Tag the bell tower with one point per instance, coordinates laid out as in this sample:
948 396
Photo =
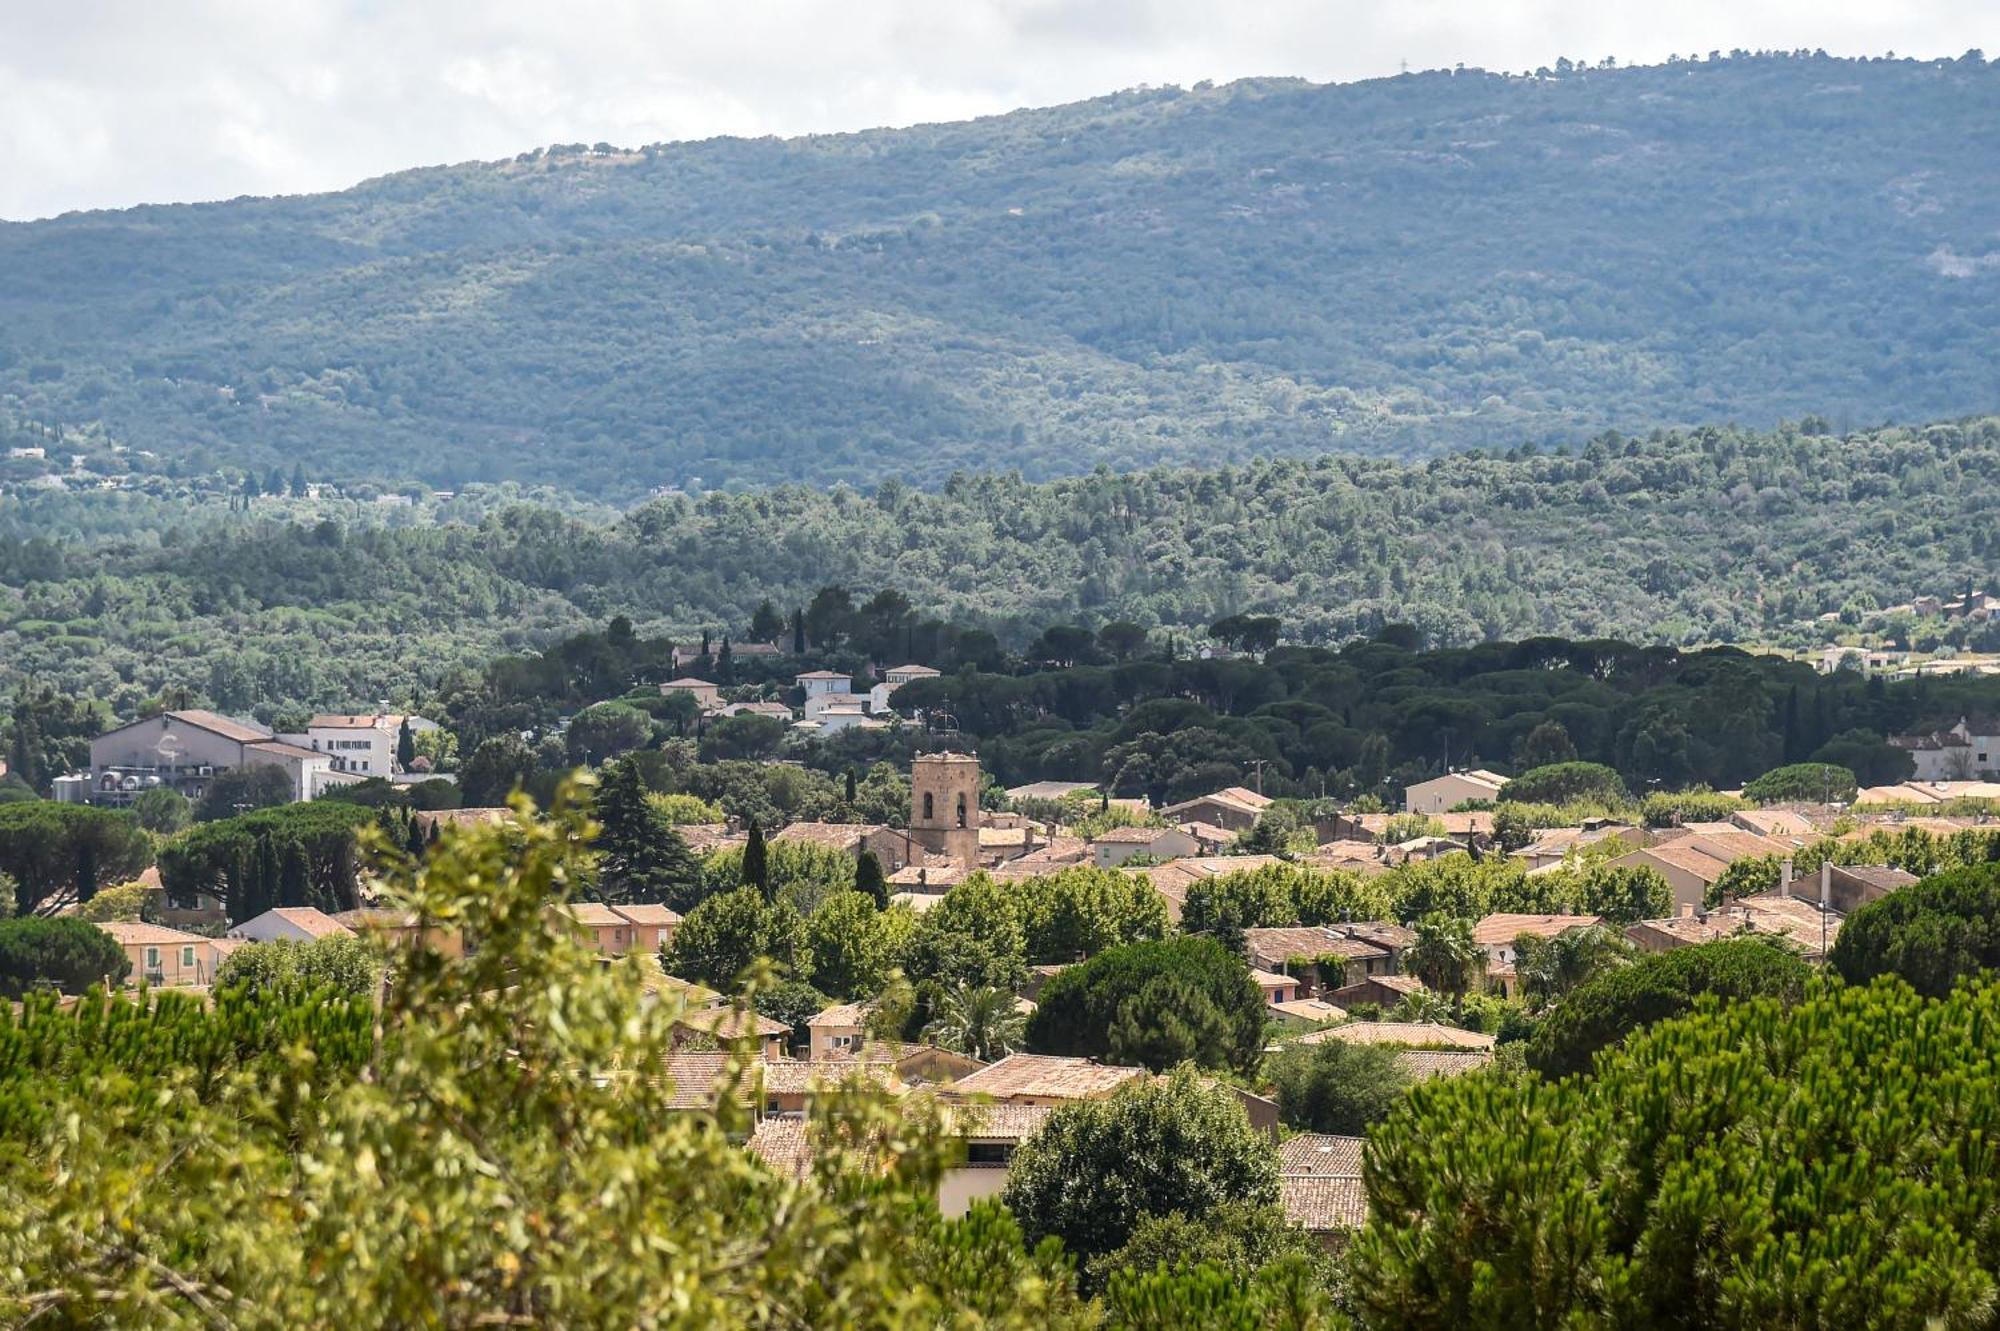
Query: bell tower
944 805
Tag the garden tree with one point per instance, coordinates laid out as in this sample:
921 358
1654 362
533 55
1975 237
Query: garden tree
493 1090
1873 760
881 796
1511 828
163 810
242 861
1663 808
86 869
829 617
795 1003
756 861
1444 956
1098 1168
242 789
722 937
1409 826
1834 1131
49 732
1815 782
772 793
1170 1020
1278 831
67 955
1079 911
982 1023
684 810
1621 894
1932 934
1221 1009
1659 987
44 845
1550 967
1236 1239
406 745
972 938
852 944
641 858
121 904
1560 783
497 768
745 735
1121 639
869 880
1470 889
802 872
1747 877
1287 1293
678 709
342 964
440 746
1336 1086
766 624
1544 746
1224 906
600 733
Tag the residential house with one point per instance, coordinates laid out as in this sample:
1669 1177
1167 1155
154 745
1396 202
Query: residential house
1395 939
1453 788
649 926
1496 935
301 924
777 711
1173 879
708 695
818 682
837 1032
1424 1064
1113 847
1553 845
1385 991
1967 749
1049 790
362 744
1235 809
1044 1079
1306 1012
400 928
604 929
992 1134
731 1027
1409 1034
1276 988
893 679
1320 1187
1320 956
893 846
1692 861
163 957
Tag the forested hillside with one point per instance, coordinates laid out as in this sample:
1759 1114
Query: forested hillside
1712 535
1167 276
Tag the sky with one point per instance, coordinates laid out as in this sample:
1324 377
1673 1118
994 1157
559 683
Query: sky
107 103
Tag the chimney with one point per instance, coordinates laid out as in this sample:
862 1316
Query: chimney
1785 881
1686 910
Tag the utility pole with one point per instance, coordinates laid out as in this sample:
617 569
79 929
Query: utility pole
1258 763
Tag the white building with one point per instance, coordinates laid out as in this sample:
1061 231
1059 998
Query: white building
362 744
893 679
1452 789
816 682
300 923
1969 749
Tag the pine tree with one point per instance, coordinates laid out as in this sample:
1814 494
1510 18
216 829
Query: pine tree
641 858
757 862
869 880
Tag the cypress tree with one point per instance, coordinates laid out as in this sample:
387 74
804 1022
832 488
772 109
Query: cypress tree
270 876
294 879
406 745
851 782
868 879
757 862
798 633
86 869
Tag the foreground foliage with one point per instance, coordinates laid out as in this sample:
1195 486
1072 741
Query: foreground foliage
1751 1166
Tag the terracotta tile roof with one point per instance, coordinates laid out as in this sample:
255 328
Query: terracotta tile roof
1047 1076
1320 1153
591 914
696 1074
354 721
784 1145
1307 943
1390 937
823 674
689 682
704 837
1239 798
1323 1204
919 671
727 1023
648 913
1423 1064
134 933
1496 930
1733 844
836 836
1412 1033
840 1014
996 1122
1774 822
1134 836
313 923
1704 867
794 1077
277 748
1048 790
1310 1009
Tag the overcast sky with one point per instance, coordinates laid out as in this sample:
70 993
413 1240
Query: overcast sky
111 102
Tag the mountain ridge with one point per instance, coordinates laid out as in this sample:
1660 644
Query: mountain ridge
1396 267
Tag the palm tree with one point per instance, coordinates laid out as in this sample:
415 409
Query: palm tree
1548 968
1444 956
980 1023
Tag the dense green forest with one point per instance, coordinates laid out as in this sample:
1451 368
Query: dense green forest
1709 535
1183 276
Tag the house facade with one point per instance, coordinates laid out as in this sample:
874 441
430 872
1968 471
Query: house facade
1453 788
186 750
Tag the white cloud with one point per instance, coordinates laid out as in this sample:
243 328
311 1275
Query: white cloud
112 102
